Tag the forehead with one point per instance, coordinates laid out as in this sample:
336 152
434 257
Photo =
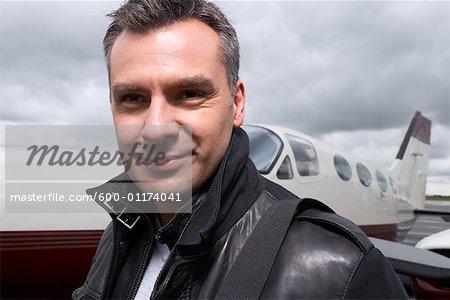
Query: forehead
187 44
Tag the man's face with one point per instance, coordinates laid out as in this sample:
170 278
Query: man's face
174 76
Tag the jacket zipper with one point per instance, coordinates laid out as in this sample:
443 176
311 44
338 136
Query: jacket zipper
159 288
162 287
144 263
158 279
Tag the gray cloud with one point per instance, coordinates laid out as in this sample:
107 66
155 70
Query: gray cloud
351 73
346 63
52 68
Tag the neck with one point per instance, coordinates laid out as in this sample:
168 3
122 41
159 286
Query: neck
165 218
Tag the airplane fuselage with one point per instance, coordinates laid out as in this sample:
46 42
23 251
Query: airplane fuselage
349 185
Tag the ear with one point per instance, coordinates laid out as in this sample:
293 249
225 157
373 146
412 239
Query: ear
239 104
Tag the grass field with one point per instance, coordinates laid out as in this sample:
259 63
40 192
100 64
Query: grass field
438 198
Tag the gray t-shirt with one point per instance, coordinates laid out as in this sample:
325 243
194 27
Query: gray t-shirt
159 257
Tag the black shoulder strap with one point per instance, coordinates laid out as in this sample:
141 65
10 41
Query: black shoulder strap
250 271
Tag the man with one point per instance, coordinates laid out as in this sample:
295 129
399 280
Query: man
176 63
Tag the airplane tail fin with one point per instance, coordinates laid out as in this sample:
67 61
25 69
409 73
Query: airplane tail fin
410 168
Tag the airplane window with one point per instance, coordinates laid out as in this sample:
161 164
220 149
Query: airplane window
343 168
305 156
382 182
364 175
285 170
265 147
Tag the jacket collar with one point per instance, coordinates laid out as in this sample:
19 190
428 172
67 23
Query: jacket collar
219 205
233 189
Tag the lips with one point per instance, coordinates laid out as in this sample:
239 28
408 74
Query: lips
174 156
170 164
170 157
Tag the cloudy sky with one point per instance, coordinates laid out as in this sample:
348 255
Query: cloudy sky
348 73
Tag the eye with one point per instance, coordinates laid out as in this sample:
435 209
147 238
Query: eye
190 95
131 102
132 98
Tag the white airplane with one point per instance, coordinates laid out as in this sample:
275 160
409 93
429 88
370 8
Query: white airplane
384 204
381 203
48 255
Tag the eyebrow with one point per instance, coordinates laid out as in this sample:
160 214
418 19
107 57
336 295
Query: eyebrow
125 88
197 81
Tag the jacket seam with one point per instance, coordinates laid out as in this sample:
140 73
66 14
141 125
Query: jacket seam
336 225
351 276
90 292
113 260
258 198
271 196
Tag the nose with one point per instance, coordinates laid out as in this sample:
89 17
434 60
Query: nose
160 126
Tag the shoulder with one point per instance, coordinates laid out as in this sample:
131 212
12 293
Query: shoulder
317 215
366 273
321 250
325 255
332 246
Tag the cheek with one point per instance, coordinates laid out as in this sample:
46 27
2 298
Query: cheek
127 137
128 119
204 122
212 130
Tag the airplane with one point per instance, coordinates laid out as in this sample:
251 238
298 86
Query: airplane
381 203
48 255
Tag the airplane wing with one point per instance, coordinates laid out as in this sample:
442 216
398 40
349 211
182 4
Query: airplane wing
416 262
424 274
445 215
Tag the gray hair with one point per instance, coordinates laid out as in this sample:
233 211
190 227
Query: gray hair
140 16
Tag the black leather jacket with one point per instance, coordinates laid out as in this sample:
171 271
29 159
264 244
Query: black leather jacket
322 256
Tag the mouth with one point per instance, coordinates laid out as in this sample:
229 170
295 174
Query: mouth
167 158
170 163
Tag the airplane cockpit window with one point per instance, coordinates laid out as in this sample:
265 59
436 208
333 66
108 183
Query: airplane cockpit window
364 175
265 147
343 168
305 156
382 182
285 169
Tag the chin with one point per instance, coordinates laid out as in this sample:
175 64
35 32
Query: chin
165 185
